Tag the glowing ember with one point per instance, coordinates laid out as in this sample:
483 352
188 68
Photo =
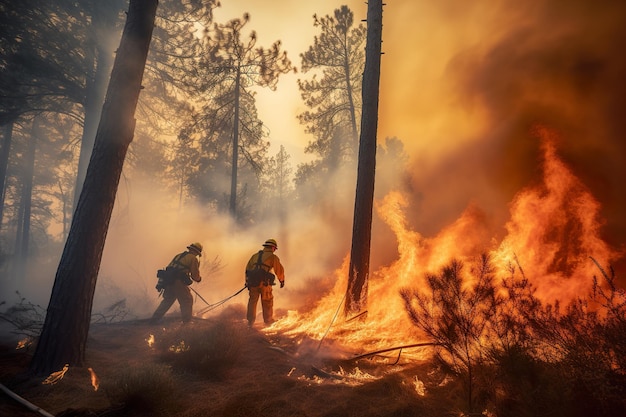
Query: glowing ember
24 343
150 340
55 377
420 388
95 381
181 347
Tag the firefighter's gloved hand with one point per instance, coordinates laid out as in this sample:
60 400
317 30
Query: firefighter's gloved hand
282 284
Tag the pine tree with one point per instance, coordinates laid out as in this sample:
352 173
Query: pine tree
356 299
64 334
334 99
245 65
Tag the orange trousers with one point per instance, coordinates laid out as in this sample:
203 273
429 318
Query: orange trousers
175 291
267 303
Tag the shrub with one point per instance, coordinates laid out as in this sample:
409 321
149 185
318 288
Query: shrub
146 390
209 352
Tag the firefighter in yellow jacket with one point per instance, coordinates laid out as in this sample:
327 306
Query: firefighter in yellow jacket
268 262
180 272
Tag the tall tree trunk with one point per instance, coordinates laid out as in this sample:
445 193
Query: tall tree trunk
356 297
351 107
100 58
7 137
22 238
233 179
27 188
64 334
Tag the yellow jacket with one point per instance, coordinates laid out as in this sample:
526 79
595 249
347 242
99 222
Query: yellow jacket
269 262
189 262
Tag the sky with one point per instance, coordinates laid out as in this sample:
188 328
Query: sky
291 23
463 84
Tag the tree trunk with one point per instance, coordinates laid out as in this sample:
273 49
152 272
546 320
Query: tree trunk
100 57
351 107
7 137
22 240
233 180
356 297
64 334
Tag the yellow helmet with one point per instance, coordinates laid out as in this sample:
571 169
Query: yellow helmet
271 242
197 247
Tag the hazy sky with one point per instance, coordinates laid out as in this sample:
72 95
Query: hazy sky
462 83
291 22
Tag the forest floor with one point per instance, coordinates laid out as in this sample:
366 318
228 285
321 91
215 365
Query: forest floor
219 367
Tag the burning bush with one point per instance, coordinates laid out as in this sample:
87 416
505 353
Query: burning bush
517 356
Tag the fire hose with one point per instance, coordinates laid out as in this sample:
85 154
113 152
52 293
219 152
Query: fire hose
25 402
209 306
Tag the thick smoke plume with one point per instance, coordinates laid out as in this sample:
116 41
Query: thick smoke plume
464 84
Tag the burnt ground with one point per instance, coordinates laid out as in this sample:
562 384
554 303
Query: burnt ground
240 372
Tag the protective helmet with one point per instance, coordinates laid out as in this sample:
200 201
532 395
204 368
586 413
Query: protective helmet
197 247
271 242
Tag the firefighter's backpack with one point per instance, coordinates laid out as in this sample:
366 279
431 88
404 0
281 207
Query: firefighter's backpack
172 273
255 276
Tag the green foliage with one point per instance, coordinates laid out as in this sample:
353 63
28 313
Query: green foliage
43 57
332 93
338 55
225 141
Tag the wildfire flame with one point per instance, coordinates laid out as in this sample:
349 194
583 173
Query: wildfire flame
24 343
55 377
150 340
95 381
180 347
554 229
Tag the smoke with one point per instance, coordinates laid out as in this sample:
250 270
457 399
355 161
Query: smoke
463 84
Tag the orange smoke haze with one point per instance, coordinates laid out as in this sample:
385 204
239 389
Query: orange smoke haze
463 83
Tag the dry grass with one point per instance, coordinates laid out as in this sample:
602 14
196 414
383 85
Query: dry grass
225 369
150 389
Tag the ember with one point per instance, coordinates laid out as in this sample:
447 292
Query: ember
95 381
55 377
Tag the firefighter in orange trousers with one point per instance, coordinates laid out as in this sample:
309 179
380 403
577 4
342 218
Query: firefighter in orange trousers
180 272
268 262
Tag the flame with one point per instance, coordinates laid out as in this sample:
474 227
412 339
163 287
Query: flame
420 387
24 343
55 377
180 347
150 340
95 381
554 230
552 234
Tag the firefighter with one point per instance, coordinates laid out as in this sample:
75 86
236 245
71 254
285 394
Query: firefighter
269 262
179 274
